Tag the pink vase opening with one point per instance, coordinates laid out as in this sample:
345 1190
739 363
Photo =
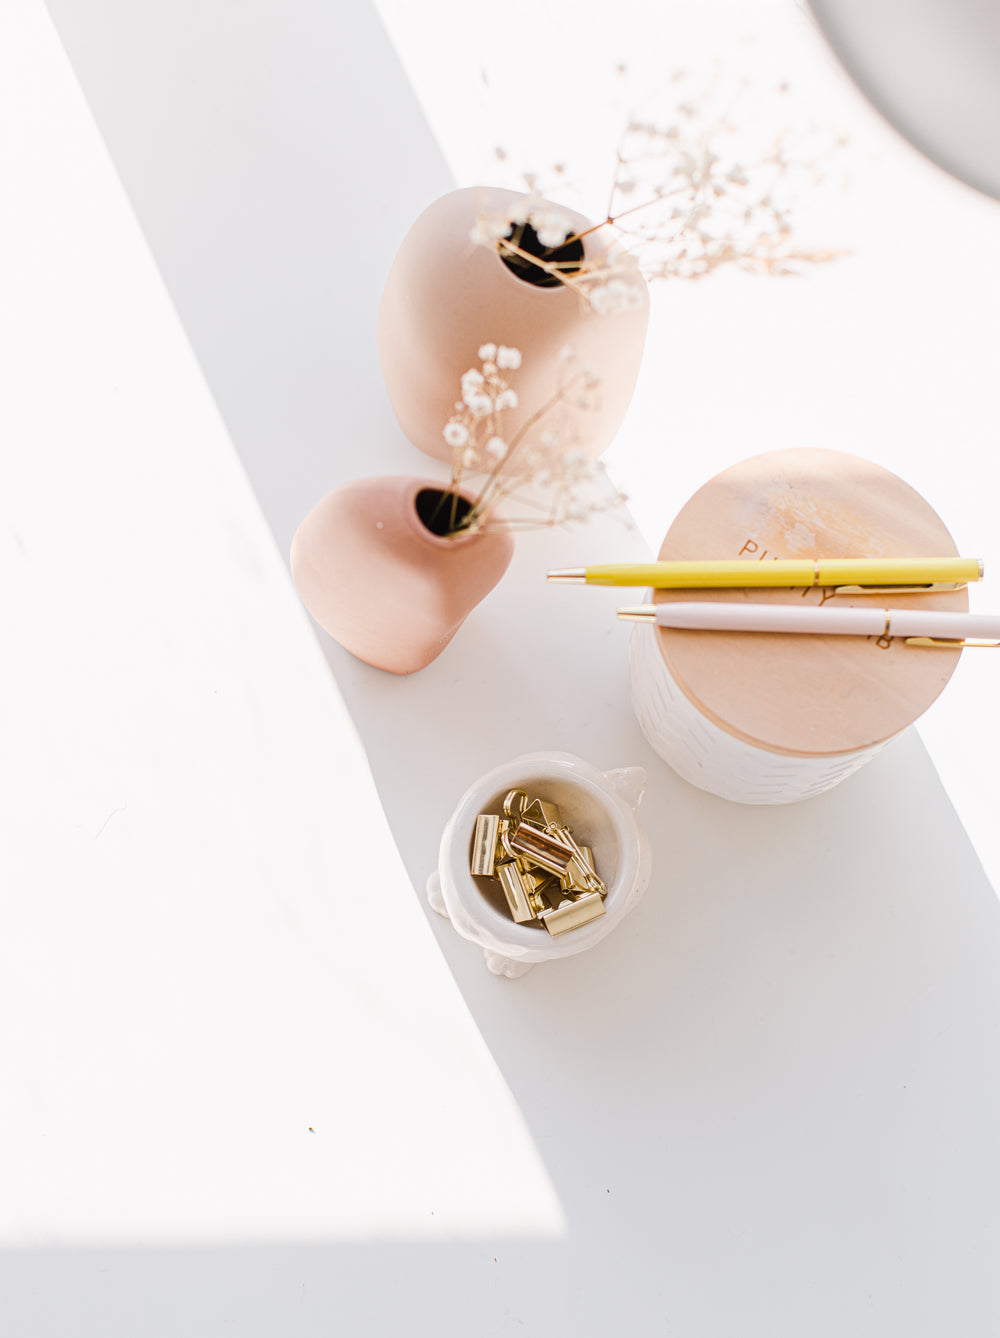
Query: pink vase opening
376 566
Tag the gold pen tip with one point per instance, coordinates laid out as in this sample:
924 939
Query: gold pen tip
568 576
638 613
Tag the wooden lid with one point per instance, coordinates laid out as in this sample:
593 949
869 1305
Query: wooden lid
807 695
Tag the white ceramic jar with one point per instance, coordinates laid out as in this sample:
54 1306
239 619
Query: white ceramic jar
762 719
598 806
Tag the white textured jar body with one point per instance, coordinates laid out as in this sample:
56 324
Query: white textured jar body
712 759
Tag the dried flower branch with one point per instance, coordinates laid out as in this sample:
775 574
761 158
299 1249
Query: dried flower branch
689 196
544 476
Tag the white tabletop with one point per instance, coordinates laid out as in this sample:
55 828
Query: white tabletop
252 1085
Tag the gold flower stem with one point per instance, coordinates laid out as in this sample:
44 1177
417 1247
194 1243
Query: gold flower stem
555 267
619 164
570 278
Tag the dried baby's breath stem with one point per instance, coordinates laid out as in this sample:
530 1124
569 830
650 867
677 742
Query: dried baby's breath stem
619 164
613 220
522 523
491 482
549 459
616 175
587 232
703 200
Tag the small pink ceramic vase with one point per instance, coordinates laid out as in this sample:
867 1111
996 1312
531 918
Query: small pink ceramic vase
447 295
375 568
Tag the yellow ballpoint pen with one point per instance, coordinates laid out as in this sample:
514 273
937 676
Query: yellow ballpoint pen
868 574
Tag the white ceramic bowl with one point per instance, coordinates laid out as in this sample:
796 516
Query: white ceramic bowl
599 807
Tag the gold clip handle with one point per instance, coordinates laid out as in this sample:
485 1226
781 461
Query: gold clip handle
899 589
952 643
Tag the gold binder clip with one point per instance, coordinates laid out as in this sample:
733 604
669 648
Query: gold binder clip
573 914
514 802
546 876
580 874
542 811
579 880
518 888
547 894
485 845
536 845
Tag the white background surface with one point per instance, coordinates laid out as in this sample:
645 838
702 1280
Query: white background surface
767 1105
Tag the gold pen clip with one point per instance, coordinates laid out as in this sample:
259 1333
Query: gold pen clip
952 643
899 589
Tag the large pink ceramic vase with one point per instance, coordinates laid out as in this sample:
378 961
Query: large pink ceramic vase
447 295
373 569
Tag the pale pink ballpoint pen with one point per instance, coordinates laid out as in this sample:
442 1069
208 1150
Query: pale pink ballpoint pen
922 627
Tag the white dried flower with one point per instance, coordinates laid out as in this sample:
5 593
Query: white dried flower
515 464
487 352
607 299
692 200
520 212
488 231
552 226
